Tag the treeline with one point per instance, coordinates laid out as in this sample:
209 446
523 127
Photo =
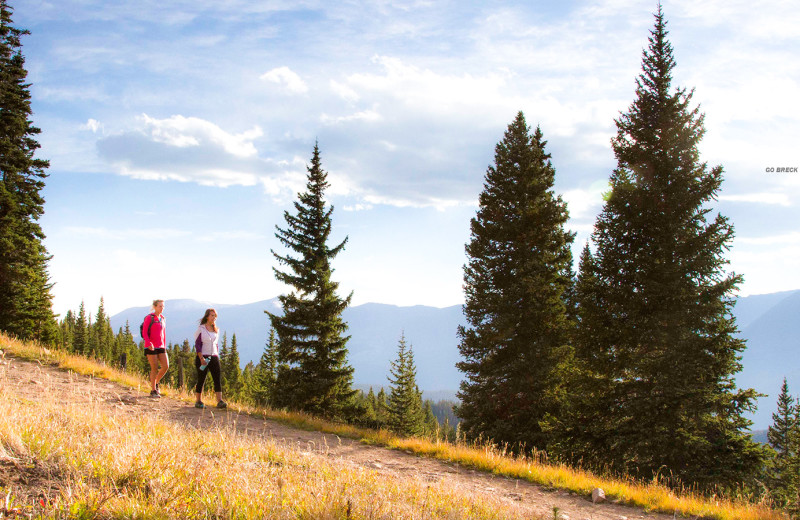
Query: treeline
401 410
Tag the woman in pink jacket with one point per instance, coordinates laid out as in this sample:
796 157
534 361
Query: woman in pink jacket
154 331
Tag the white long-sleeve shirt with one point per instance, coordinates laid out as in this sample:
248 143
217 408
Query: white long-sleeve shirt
205 341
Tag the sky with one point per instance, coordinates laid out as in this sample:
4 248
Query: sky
178 132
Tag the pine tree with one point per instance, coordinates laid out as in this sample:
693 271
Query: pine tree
405 400
313 374
25 299
656 342
782 438
233 370
223 360
381 408
80 334
517 285
265 372
66 328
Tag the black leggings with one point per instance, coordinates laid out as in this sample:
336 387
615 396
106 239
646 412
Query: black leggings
213 367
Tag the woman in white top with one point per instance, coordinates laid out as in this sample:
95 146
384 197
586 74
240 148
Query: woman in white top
207 359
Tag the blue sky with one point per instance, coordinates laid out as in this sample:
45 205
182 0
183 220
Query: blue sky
178 131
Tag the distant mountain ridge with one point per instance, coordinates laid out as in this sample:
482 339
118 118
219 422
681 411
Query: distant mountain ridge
769 322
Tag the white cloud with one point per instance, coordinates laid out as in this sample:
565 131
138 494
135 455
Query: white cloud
92 125
788 239
584 202
369 116
424 89
289 79
780 199
344 92
183 131
187 149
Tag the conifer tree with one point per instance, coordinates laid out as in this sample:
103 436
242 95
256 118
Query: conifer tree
25 298
233 370
656 342
265 373
80 334
405 400
782 437
313 375
66 328
517 284
381 407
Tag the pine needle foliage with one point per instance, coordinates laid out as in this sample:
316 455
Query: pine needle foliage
517 284
25 298
406 414
313 374
783 437
656 340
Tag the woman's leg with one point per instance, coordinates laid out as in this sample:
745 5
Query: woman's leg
201 379
153 360
216 373
164 360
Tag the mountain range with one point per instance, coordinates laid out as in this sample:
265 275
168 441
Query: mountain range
769 322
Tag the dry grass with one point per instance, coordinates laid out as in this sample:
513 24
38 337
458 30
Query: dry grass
649 496
116 465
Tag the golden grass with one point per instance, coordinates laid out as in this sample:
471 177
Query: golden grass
650 496
112 464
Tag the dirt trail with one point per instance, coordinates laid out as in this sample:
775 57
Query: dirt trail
30 380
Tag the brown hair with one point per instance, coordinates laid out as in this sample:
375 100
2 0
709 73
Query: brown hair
204 319
156 302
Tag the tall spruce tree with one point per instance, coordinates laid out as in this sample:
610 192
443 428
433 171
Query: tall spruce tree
263 384
406 414
25 298
313 374
233 370
517 284
656 340
782 436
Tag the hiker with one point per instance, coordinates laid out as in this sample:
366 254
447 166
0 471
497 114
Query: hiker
207 359
154 333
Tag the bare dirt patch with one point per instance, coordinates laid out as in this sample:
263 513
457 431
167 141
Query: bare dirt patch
31 481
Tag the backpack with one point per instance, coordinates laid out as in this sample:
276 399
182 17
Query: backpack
150 326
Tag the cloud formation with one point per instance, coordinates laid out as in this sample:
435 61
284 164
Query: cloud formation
286 78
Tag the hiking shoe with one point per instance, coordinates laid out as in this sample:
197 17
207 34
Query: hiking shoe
199 404
154 393
222 404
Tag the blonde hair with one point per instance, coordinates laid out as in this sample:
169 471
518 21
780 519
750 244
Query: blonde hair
156 302
204 319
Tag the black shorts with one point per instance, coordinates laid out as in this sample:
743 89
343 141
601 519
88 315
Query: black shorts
155 351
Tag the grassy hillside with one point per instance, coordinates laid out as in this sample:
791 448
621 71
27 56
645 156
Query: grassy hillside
109 467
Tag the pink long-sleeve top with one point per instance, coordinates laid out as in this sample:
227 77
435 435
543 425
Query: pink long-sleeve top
155 336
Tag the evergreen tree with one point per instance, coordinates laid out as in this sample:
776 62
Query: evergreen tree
233 370
103 334
431 424
405 400
80 334
381 407
517 284
313 374
656 342
25 299
782 437
223 359
265 373
66 328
